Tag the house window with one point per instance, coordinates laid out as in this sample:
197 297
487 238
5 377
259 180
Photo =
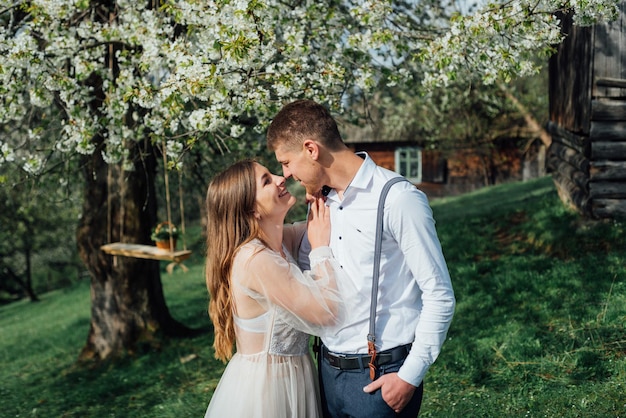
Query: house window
409 163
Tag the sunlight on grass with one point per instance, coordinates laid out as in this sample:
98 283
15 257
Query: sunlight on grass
540 317
539 329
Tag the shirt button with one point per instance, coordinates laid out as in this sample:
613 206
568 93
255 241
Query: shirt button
339 237
340 207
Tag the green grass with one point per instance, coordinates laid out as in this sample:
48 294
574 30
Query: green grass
539 329
41 341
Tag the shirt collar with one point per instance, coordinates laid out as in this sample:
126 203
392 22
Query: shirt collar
363 177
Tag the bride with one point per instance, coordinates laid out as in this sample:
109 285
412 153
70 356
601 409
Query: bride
260 300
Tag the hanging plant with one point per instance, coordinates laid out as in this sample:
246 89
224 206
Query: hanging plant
162 233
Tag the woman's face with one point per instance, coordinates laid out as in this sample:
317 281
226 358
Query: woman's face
272 197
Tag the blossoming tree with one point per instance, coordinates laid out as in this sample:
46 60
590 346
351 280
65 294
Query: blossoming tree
119 83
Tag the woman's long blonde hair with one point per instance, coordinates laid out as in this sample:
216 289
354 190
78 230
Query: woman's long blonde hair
230 204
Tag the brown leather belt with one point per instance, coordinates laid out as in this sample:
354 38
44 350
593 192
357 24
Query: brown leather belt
358 361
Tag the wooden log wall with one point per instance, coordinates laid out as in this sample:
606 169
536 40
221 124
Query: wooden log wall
607 171
570 84
569 164
609 57
590 171
607 134
587 156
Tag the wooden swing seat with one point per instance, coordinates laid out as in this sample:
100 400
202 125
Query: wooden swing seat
145 251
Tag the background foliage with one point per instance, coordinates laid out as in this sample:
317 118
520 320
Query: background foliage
539 327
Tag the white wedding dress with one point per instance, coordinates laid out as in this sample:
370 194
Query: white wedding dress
279 381
271 374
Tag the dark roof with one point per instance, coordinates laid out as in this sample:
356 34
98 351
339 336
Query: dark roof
355 134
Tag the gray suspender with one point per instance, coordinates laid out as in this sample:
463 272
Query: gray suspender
371 336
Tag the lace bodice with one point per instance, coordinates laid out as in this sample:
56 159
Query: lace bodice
277 306
282 339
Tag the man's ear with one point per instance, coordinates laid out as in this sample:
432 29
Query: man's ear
311 148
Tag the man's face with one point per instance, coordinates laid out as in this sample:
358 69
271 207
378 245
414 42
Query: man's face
302 166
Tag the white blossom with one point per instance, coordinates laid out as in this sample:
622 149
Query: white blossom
243 57
33 165
173 149
6 153
236 131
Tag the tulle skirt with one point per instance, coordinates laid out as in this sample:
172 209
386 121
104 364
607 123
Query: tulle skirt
267 386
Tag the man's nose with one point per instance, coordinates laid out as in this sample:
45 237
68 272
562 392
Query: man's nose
286 173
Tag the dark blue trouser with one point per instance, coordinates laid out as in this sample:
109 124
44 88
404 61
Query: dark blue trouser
343 396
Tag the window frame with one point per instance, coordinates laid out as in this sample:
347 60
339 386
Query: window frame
409 160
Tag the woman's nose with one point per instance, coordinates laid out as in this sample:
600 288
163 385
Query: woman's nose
279 180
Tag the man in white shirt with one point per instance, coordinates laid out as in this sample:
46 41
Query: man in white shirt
415 302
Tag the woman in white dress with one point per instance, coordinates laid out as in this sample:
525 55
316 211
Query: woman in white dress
260 301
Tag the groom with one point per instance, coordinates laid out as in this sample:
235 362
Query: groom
415 300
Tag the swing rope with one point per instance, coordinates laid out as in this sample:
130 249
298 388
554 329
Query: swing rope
182 207
168 199
109 200
167 195
109 210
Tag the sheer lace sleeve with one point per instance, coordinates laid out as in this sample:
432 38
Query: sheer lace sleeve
309 301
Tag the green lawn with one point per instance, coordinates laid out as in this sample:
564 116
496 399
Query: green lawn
539 329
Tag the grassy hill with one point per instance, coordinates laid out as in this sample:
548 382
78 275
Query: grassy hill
539 329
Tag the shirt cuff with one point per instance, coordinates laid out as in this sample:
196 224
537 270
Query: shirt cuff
413 370
320 254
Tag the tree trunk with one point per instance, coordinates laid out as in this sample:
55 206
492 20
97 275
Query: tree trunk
28 284
128 309
25 285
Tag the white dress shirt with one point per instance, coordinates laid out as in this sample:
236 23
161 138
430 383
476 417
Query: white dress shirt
415 297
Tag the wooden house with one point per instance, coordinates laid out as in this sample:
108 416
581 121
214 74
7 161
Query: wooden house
450 172
587 156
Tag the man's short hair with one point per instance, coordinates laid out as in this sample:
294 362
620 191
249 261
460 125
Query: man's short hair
302 120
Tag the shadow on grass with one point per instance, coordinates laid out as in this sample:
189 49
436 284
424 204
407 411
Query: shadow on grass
533 283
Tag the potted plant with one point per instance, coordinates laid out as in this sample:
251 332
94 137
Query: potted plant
162 233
